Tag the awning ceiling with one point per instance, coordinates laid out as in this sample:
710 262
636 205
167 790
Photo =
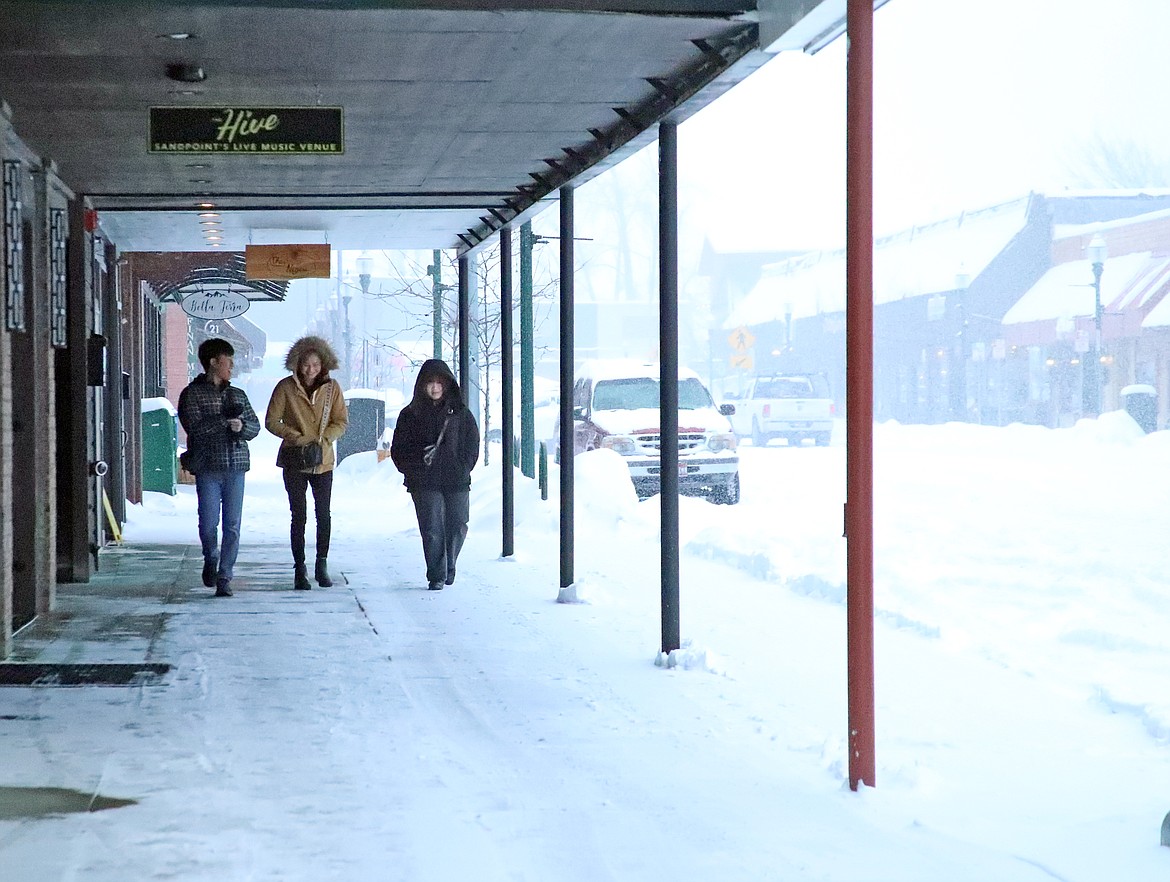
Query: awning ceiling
459 117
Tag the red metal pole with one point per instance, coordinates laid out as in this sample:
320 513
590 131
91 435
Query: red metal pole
859 389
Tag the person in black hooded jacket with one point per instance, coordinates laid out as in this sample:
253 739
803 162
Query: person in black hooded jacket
435 446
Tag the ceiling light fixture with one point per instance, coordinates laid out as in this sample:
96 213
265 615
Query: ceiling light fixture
178 35
205 205
186 72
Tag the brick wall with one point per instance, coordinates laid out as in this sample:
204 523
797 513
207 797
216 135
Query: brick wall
174 333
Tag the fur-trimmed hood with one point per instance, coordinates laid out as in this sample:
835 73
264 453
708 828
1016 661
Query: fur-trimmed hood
308 344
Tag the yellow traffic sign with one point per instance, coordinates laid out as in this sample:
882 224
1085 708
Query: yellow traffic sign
741 362
741 339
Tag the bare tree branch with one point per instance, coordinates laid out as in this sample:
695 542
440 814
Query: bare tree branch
1101 162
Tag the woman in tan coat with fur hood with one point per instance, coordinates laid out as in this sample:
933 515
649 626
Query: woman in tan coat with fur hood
295 414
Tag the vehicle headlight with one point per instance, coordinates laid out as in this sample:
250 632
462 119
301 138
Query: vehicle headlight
723 441
622 444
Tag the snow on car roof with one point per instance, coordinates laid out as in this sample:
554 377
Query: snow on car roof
625 369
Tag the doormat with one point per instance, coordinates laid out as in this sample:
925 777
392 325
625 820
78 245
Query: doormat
92 674
17 803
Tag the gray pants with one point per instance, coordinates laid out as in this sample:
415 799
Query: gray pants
442 524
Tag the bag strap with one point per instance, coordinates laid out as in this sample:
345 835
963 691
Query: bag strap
325 412
442 432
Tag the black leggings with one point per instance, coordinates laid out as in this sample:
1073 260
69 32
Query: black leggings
295 484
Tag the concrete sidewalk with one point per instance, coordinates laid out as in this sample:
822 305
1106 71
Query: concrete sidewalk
226 738
119 617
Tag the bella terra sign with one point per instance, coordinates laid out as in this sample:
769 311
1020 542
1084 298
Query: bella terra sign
215 304
244 130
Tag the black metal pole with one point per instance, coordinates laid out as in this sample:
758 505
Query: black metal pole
506 437
465 327
668 377
566 445
527 357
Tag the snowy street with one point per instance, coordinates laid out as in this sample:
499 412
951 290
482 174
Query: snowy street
379 731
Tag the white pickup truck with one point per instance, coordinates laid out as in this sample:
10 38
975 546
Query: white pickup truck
792 406
615 406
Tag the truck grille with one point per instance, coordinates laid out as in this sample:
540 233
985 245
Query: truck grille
686 441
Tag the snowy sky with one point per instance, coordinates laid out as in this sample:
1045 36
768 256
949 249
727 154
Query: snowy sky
378 731
975 102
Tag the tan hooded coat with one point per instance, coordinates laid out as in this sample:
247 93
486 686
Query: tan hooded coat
294 414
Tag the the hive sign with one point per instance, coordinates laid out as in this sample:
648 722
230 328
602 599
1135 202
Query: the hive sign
247 130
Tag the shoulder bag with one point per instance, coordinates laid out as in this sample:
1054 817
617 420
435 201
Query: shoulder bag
311 455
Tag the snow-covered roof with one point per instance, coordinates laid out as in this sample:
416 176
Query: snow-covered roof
1077 231
1159 316
1066 290
917 262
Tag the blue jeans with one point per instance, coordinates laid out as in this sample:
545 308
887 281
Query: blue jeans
220 492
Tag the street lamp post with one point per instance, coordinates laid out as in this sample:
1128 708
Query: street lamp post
363 263
958 373
1097 251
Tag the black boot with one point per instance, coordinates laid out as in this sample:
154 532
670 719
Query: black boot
210 570
301 578
321 573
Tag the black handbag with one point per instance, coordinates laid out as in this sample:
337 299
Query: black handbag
300 459
311 455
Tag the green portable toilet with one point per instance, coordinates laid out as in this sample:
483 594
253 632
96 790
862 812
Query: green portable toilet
160 446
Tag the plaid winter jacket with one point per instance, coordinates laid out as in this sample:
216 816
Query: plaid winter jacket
204 410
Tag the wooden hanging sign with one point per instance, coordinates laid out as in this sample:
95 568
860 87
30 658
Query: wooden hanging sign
286 262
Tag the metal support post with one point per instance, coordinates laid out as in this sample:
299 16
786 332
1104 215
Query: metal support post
506 437
527 359
566 372
465 327
859 390
668 378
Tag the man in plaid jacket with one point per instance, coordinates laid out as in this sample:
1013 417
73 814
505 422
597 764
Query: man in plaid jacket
219 422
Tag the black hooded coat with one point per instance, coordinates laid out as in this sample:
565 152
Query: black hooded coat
419 425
